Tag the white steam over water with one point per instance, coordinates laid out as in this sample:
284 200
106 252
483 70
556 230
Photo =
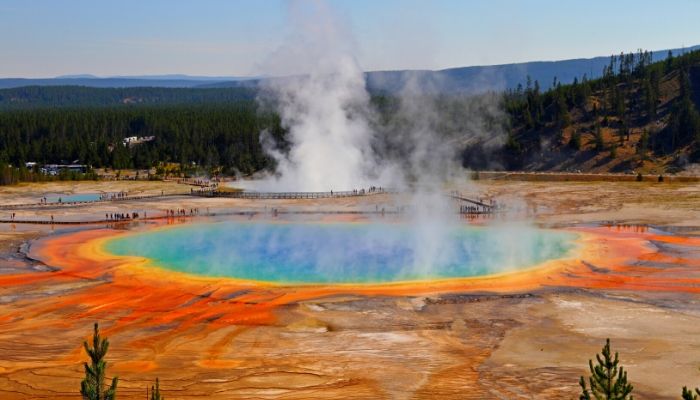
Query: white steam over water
334 131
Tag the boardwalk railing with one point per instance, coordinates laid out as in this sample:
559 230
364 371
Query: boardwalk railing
475 202
285 195
206 193
477 207
75 203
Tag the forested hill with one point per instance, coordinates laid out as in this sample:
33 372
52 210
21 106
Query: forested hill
640 116
225 136
480 79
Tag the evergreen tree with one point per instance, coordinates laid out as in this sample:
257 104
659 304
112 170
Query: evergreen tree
512 143
684 121
669 62
623 133
563 118
93 386
607 380
575 140
155 391
650 100
688 394
599 141
643 144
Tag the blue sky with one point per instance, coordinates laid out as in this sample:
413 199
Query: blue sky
43 38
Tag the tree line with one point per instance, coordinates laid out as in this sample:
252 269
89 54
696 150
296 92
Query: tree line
221 128
27 97
226 136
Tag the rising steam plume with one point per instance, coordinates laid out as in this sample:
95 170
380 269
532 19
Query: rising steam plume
340 141
323 104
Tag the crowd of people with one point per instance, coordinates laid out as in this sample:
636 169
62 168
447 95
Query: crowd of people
182 212
474 209
179 212
371 189
124 216
114 196
199 182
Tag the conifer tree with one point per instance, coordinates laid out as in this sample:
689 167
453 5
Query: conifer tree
643 144
155 391
689 395
93 386
607 380
599 141
575 141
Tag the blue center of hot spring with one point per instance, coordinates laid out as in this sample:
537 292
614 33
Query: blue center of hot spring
342 252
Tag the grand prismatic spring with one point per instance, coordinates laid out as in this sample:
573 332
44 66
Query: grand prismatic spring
359 253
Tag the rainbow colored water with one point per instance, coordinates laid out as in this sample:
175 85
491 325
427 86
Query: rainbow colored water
340 252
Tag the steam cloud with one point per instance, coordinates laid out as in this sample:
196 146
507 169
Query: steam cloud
341 141
323 104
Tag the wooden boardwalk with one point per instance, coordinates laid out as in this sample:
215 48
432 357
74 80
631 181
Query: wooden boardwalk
475 202
87 202
477 207
286 195
243 213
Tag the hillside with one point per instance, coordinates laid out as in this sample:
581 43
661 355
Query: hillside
480 79
641 116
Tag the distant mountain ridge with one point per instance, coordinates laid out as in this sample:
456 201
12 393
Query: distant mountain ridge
479 79
10 83
159 77
463 80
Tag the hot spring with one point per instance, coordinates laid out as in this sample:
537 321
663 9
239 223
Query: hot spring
305 253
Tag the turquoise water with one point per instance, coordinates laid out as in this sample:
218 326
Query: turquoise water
53 198
341 252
